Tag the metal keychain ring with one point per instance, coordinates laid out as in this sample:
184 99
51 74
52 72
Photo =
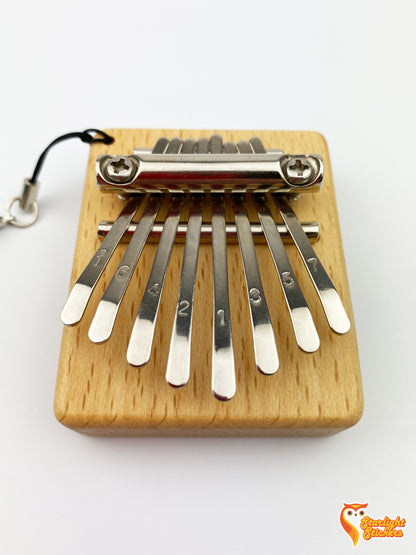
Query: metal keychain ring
34 209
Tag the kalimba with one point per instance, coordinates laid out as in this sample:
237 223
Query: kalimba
206 288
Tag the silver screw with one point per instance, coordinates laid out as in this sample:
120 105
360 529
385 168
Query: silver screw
299 171
120 169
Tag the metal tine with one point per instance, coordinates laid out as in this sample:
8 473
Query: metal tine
175 146
230 148
188 146
202 146
140 345
103 321
81 292
265 350
305 332
257 145
141 339
215 144
223 371
328 295
178 367
244 147
161 146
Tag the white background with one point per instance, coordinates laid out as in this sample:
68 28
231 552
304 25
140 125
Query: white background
345 69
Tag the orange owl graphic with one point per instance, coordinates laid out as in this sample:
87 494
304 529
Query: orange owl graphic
353 512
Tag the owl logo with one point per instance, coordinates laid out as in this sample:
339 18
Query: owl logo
352 513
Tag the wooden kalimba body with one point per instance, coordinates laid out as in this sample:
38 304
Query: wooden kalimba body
119 383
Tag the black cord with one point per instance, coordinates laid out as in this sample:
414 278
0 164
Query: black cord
85 137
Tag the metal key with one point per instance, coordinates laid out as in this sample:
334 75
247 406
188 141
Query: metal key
328 295
81 292
140 345
223 372
178 367
265 349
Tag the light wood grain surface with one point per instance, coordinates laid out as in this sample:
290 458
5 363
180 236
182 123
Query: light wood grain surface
98 392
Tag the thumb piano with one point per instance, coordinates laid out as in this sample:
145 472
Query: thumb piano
209 293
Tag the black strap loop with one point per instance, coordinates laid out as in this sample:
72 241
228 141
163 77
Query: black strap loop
85 136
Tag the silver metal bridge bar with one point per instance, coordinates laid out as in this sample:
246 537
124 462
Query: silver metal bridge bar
310 228
211 170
